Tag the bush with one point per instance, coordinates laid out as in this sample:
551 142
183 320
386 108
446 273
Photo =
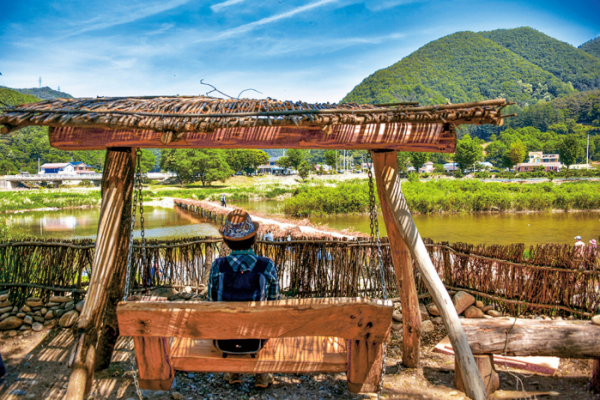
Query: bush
458 174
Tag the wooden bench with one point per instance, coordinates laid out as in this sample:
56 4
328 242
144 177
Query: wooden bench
305 336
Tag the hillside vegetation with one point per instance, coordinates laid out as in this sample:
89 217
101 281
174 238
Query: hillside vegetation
44 93
592 47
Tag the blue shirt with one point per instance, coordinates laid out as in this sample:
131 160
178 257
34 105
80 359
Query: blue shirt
245 260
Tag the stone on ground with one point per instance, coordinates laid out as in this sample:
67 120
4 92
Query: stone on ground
479 304
427 327
26 308
79 306
68 319
488 308
424 312
462 301
60 299
433 310
396 326
5 315
3 296
36 327
596 320
494 313
10 323
49 314
164 292
397 316
28 320
473 312
176 396
34 302
5 310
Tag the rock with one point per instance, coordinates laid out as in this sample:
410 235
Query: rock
5 315
79 306
479 304
52 304
187 289
21 315
191 375
177 396
18 392
15 309
488 308
462 301
12 333
6 303
427 327
396 326
50 323
10 323
3 296
44 311
59 313
31 396
164 292
397 316
39 318
437 320
494 313
473 312
25 327
26 309
433 310
36 327
38 313
49 315
596 320
28 320
36 308
6 309
34 302
570 317
424 312
70 306
60 299
68 319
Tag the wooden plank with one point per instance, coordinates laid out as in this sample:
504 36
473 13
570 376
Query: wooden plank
435 137
403 266
154 362
389 187
294 355
350 318
564 339
364 365
109 259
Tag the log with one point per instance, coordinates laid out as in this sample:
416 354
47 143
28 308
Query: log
564 339
154 362
485 364
403 266
430 137
595 384
364 365
96 323
389 189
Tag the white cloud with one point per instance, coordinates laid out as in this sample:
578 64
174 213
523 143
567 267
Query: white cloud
379 5
219 6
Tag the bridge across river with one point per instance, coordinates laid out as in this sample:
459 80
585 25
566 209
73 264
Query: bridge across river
12 181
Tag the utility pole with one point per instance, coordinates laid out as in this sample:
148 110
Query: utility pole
587 157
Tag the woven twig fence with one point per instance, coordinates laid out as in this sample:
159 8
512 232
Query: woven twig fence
550 279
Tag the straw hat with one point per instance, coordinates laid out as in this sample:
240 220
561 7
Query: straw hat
238 226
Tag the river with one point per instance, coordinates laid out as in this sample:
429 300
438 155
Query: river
171 223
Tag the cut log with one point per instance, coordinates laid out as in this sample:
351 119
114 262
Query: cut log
430 137
564 339
388 184
364 365
350 318
403 266
154 362
108 269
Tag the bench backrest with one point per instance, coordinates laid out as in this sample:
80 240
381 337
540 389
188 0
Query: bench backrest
349 318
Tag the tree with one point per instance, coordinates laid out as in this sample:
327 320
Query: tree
8 168
568 150
246 160
515 154
304 170
331 158
467 152
296 157
418 159
284 162
191 165
403 158
148 161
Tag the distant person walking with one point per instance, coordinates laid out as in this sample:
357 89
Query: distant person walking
579 246
223 200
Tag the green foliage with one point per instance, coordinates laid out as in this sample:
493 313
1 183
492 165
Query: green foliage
568 150
464 66
295 156
515 154
345 198
418 159
592 47
564 61
331 158
468 151
148 160
246 160
8 168
403 158
44 93
458 173
304 170
192 165
284 162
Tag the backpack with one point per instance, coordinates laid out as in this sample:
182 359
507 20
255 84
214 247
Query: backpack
241 286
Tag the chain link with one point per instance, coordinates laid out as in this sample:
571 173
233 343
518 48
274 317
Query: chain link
379 260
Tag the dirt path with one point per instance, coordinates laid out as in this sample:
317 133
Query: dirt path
36 363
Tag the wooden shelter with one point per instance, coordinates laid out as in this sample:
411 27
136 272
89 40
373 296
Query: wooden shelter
120 125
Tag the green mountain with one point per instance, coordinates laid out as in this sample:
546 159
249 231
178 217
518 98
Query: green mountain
21 150
45 93
562 60
461 67
592 47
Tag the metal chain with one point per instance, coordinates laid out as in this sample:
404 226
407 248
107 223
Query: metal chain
375 235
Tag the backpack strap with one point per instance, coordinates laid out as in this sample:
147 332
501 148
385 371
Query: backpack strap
261 265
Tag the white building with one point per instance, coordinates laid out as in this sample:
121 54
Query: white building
537 159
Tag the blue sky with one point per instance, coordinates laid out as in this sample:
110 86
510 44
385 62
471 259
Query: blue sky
312 50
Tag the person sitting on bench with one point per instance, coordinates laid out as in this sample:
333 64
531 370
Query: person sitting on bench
242 276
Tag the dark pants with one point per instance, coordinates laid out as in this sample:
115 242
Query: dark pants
223 203
2 367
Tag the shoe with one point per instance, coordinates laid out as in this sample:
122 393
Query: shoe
263 380
232 378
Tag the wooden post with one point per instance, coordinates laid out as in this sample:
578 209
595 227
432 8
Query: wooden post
596 375
485 364
97 323
403 266
364 365
390 192
153 355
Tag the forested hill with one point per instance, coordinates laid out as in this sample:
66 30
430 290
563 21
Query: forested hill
44 93
592 47
464 66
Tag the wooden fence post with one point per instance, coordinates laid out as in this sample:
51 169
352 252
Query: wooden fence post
98 324
390 192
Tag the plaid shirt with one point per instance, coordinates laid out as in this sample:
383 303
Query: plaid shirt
245 260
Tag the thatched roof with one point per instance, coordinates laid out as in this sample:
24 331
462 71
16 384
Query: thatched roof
207 114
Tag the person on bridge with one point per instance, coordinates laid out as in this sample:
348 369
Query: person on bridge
242 276
579 246
223 200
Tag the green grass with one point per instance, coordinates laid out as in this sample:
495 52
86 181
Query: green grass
54 198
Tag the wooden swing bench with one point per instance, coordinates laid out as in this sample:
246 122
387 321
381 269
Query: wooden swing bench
327 335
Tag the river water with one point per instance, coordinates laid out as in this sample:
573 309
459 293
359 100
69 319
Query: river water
171 223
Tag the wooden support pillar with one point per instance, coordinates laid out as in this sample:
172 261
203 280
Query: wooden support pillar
153 355
390 192
485 364
596 375
97 324
364 365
